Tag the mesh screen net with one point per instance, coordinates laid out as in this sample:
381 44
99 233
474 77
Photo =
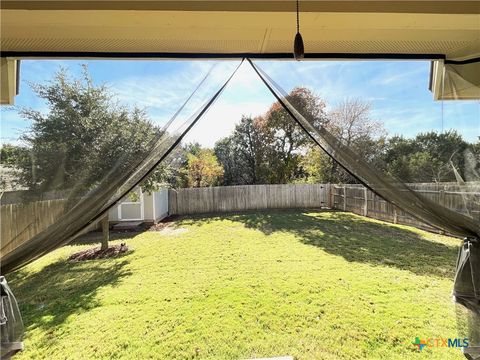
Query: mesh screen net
11 325
104 166
394 189
119 148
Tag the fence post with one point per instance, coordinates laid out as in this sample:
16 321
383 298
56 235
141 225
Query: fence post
442 196
365 206
344 197
395 216
329 193
442 202
172 202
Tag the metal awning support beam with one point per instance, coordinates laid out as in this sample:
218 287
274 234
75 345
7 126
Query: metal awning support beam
424 7
212 56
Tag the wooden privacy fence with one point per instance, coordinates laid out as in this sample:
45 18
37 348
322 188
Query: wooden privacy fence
20 222
247 197
354 198
359 200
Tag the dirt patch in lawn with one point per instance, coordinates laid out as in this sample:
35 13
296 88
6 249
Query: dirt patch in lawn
173 230
97 253
168 229
167 226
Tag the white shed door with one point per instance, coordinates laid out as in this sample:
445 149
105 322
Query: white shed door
132 208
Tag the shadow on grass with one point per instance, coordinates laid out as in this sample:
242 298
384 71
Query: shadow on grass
354 238
95 237
48 297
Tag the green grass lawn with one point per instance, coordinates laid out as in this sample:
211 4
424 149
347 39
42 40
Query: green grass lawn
314 285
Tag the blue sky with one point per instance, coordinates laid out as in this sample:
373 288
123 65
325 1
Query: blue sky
398 92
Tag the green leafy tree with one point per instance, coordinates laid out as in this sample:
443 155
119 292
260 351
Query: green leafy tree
172 172
287 141
84 134
244 153
84 137
269 148
234 169
204 169
317 166
428 157
472 163
10 157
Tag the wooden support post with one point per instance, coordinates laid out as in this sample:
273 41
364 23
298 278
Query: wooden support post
105 233
365 206
395 215
344 197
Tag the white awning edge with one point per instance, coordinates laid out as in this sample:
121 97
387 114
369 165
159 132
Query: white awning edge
450 81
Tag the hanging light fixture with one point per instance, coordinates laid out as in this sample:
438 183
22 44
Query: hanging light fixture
298 49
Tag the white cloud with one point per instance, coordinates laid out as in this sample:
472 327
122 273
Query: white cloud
162 95
221 119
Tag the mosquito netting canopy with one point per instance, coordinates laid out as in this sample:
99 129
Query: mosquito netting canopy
79 159
452 119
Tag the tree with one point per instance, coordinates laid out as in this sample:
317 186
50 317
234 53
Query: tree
10 156
235 171
317 166
171 172
269 148
428 157
204 169
174 170
286 139
84 135
243 154
472 162
350 122
83 138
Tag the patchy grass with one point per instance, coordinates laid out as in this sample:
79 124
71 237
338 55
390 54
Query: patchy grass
314 285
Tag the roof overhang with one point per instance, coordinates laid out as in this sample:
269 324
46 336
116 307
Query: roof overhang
455 81
121 28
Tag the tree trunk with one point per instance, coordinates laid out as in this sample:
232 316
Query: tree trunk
105 233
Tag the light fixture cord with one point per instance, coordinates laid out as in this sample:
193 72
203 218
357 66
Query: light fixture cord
298 18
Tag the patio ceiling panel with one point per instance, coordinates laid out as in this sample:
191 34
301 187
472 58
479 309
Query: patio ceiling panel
268 28
171 29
